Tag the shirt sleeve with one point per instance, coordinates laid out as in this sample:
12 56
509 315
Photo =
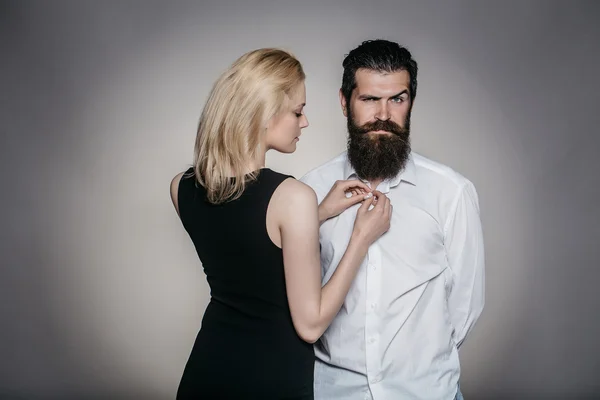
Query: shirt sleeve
465 252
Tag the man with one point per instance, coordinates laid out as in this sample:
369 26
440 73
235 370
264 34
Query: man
420 289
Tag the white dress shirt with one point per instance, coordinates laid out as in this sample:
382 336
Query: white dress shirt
416 295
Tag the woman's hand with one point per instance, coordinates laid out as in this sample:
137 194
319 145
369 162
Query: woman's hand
373 222
342 195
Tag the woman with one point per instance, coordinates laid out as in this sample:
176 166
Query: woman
256 233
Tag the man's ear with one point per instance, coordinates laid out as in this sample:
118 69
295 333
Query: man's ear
343 103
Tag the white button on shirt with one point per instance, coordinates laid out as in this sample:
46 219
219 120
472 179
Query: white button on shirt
417 294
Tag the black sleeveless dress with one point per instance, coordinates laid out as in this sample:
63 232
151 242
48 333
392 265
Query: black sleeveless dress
247 347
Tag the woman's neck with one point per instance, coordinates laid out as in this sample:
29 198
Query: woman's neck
259 162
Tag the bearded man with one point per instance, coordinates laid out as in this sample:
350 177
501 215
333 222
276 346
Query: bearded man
420 289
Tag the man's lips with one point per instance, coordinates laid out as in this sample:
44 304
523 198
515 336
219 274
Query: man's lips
380 132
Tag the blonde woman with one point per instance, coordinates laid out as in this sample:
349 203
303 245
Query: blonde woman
256 232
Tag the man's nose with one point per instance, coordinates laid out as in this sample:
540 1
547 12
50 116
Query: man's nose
383 113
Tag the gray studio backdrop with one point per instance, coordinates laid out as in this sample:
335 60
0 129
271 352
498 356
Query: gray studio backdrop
101 293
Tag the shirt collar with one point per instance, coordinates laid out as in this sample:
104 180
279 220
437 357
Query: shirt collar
408 174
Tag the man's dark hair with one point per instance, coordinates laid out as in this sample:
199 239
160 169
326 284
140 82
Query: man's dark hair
378 55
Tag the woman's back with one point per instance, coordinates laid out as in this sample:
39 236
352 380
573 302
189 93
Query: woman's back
247 346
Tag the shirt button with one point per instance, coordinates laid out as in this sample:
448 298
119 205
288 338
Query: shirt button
373 305
372 340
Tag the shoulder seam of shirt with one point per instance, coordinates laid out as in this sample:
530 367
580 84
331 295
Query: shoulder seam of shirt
440 169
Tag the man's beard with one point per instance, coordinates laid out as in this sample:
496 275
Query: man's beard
378 156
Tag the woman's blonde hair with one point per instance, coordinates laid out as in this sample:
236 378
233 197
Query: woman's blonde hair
235 117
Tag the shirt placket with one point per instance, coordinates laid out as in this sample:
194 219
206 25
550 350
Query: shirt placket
372 320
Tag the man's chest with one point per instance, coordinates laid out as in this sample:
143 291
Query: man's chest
412 249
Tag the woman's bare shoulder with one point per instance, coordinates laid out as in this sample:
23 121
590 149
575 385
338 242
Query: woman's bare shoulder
175 189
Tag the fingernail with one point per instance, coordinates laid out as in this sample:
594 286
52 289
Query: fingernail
368 196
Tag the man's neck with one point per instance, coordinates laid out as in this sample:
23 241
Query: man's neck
374 183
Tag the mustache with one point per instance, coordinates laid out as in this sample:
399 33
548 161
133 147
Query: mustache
387 126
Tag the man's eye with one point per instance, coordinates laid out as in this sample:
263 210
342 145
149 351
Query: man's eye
298 114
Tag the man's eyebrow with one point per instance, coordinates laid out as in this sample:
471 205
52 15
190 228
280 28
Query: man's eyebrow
405 91
368 97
